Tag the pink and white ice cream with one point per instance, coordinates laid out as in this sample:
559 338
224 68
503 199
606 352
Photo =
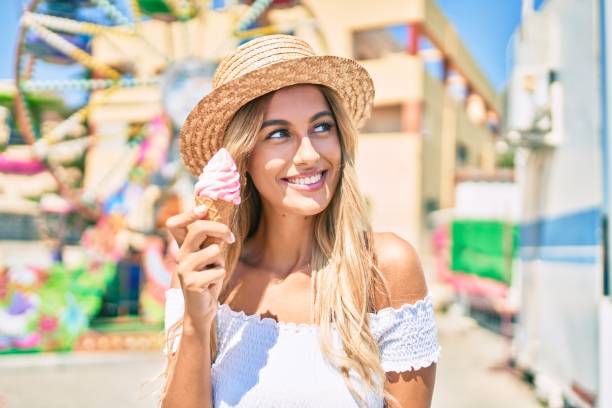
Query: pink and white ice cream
220 179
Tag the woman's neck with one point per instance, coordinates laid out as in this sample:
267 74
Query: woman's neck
282 243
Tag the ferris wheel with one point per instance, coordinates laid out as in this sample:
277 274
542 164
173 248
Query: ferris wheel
136 68
126 73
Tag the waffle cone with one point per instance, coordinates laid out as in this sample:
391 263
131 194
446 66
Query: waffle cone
218 210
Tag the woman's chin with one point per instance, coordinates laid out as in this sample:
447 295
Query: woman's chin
305 209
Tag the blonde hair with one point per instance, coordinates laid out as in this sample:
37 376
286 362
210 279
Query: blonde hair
346 276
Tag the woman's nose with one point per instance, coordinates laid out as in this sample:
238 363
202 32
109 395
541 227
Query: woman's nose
306 153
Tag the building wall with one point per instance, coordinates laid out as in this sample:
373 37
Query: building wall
340 17
432 181
390 182
397 78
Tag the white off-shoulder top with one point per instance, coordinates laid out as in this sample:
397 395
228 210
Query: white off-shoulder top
265 363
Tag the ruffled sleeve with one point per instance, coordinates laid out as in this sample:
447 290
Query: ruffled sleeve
174 309
407 336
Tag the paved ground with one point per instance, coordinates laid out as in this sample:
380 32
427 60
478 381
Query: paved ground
84 380
470 373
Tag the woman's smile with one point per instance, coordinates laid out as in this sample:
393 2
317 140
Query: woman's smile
311 181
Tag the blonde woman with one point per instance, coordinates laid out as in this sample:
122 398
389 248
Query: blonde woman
301 304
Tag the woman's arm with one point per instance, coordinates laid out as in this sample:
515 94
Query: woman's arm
190 385
412 388
200 272
401 268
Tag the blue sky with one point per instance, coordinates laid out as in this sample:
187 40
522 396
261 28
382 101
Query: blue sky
486 26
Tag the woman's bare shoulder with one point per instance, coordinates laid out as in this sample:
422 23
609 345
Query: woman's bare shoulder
401 267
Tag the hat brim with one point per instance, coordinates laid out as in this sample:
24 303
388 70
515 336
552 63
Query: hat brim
202 134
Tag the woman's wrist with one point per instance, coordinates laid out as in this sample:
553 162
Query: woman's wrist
200 331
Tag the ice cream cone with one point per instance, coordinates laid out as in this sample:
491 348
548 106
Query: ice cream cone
218 188
218 210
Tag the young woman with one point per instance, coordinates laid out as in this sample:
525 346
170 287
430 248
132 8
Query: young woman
300 304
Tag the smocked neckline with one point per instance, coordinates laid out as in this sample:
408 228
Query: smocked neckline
292 326
266 321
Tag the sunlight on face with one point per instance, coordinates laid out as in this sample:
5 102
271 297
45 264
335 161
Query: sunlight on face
295 163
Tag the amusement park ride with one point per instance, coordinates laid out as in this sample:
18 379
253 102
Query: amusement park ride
126 73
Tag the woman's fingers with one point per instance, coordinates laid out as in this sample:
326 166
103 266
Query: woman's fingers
198 231
199 260
199 281
177 224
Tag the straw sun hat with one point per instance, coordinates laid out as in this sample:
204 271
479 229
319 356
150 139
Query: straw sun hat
260 66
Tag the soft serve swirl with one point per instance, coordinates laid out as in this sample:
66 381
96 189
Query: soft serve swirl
220 179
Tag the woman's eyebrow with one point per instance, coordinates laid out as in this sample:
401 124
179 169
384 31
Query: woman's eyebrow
318 115
282 122
273 122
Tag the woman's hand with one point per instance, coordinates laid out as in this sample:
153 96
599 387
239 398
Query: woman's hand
201 265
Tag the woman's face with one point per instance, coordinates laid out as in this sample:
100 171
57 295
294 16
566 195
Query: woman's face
296 161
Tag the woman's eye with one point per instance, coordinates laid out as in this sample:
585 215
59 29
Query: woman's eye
323 127
277 134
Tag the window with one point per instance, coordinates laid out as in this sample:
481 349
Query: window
432 58
461 153
378 42
384 119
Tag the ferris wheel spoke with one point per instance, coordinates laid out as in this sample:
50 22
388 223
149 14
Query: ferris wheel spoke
81 27
69 49
266 30
72 26
255 11
153 48
136 12
113 12
85 84
137 31
59 132
89 194
62 129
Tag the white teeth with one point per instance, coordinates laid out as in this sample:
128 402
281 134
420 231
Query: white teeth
306 180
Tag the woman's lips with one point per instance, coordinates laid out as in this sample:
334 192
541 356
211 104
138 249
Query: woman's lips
307 187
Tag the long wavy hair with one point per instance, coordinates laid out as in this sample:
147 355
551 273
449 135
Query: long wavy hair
345 273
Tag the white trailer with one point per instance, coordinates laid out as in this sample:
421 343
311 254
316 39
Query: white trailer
559 101
605 306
